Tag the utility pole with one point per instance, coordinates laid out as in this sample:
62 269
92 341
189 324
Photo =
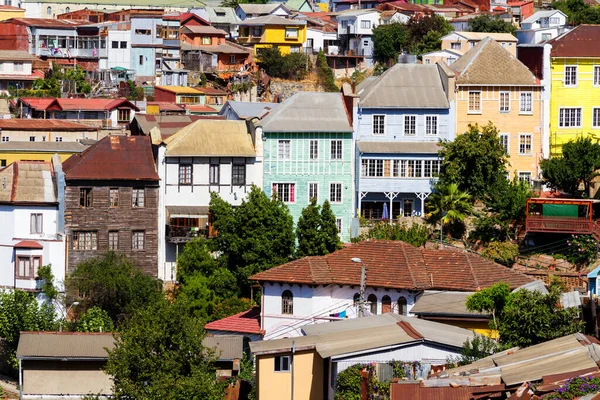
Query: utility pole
363 278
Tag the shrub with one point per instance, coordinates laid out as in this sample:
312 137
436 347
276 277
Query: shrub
501 252
581 250
574 388
488 229
289 66
416 234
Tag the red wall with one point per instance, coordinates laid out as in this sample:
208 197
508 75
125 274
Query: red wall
14 37
163 95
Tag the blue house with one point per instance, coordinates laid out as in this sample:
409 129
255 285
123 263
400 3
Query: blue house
400 118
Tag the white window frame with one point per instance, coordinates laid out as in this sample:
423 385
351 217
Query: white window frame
522 103
404 125
339 151
341 192
367 163
36 223
596 119
292 184
280 359
378 125
596 76
507 136
477 111
311 156
339 225
365 24
524 135
560 117
520 177
571 84
500 109
281 155
436 126
314 185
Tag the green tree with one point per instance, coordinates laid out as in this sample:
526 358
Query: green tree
578 12
198 296
491 300
223 283
230 306
491 24
195 257
389 41
47 277
578 165
329 228
425 32
159 354
114 284
504 253
474 349
325 74
289 66
475 161
507 201
20 311
95 319
448 205
311 241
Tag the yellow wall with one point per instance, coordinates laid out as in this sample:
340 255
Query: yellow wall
584 95
480 327
512 122
13 156
275 36
308 377
5 14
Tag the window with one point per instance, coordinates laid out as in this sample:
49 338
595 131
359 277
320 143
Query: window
137 240
287 302
372 300
345 24
554 20
67 10
141 60
256 31
238 174
431 125
596 75
526 102
32 138
123 45
371 168
85 240
114 44
185 174
596 117
137 198
58 138
49 11
378 124
335 192
455 46
473 43
285 191
570 75
206 40
3 162
504 102
313 151
313 191
113 240
525 177
124 115
338 225
85 197
413 168
36 223
232 59
431 168
284 150
365 24
386 304
291 33
24 267
5 139
213 174
525 145
474 102
505 141
282 363
402 309
142 31
427 61
410 125
336 149
569 118
356 298
407 207
113 197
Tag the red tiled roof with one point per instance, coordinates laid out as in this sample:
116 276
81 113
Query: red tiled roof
397 265
10 8
581 41
28 244
114 158
244 322
77 104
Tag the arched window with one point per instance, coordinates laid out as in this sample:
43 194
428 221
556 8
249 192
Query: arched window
68 9
287 302
372 299
356 298
49 11
402 306
386 304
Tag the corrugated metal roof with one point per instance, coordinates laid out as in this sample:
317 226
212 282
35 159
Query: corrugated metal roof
271 20
16 55
53 125
178 89
51 22
77 345
200 29
211 138
536 285
247 109
226 347
43 147
27 182
260 8
581 41
434 302
228 15
406 86
309 112
226 48
398 147
167 124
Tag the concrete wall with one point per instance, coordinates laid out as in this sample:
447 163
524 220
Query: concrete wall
48 135
66 378
119 57
8 68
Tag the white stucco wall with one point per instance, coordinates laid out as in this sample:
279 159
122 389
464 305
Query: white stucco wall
119 57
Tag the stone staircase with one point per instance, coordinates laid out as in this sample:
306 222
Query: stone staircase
4 109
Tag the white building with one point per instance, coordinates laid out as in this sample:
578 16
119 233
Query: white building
31 217
355 32
204 157
119 49
542 26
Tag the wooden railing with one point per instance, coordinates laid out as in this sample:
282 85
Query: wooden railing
561 225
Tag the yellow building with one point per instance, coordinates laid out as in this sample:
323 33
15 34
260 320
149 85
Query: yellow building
575 86
37 151
493 86
273 31
8 12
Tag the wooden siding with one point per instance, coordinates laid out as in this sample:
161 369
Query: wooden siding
124 218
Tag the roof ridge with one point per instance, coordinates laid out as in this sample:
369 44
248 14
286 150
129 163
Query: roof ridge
15 181
410 330
475 280
409 269
477 53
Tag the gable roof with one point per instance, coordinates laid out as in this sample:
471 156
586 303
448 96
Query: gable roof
488 63
179 89
406 86
499 37
65 345
244 322
228 17
454 304
218 138
541 14
309 112
27 182
114 158
167 124
396 265
271 20
67 104
264 9
52 125
248 109
581 41
204 29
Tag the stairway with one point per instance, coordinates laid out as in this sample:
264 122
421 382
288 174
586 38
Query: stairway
4 109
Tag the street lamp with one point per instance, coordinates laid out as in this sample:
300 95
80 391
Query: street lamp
442 229
363 277
74 304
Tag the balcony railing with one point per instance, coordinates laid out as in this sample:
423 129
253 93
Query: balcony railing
182 234
561 225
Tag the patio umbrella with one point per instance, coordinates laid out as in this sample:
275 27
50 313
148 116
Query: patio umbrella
385 214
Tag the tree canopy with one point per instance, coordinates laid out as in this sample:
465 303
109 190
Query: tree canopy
389 41
491 24
425 33
317 231
476 161
578 165
292 66
578 11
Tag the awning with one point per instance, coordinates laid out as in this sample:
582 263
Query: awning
187 211
398 147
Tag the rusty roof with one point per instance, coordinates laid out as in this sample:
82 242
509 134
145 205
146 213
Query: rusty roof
114 158
64 345
582 41
167 124
397 265
50 22
23 124
27 182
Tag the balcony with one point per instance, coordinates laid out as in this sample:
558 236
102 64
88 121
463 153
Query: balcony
250 39
183 234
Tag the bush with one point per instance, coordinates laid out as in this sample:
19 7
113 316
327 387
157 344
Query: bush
501 252
289 66
574 388
488 229
95 319
347 383
416 234
581 250
325 74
